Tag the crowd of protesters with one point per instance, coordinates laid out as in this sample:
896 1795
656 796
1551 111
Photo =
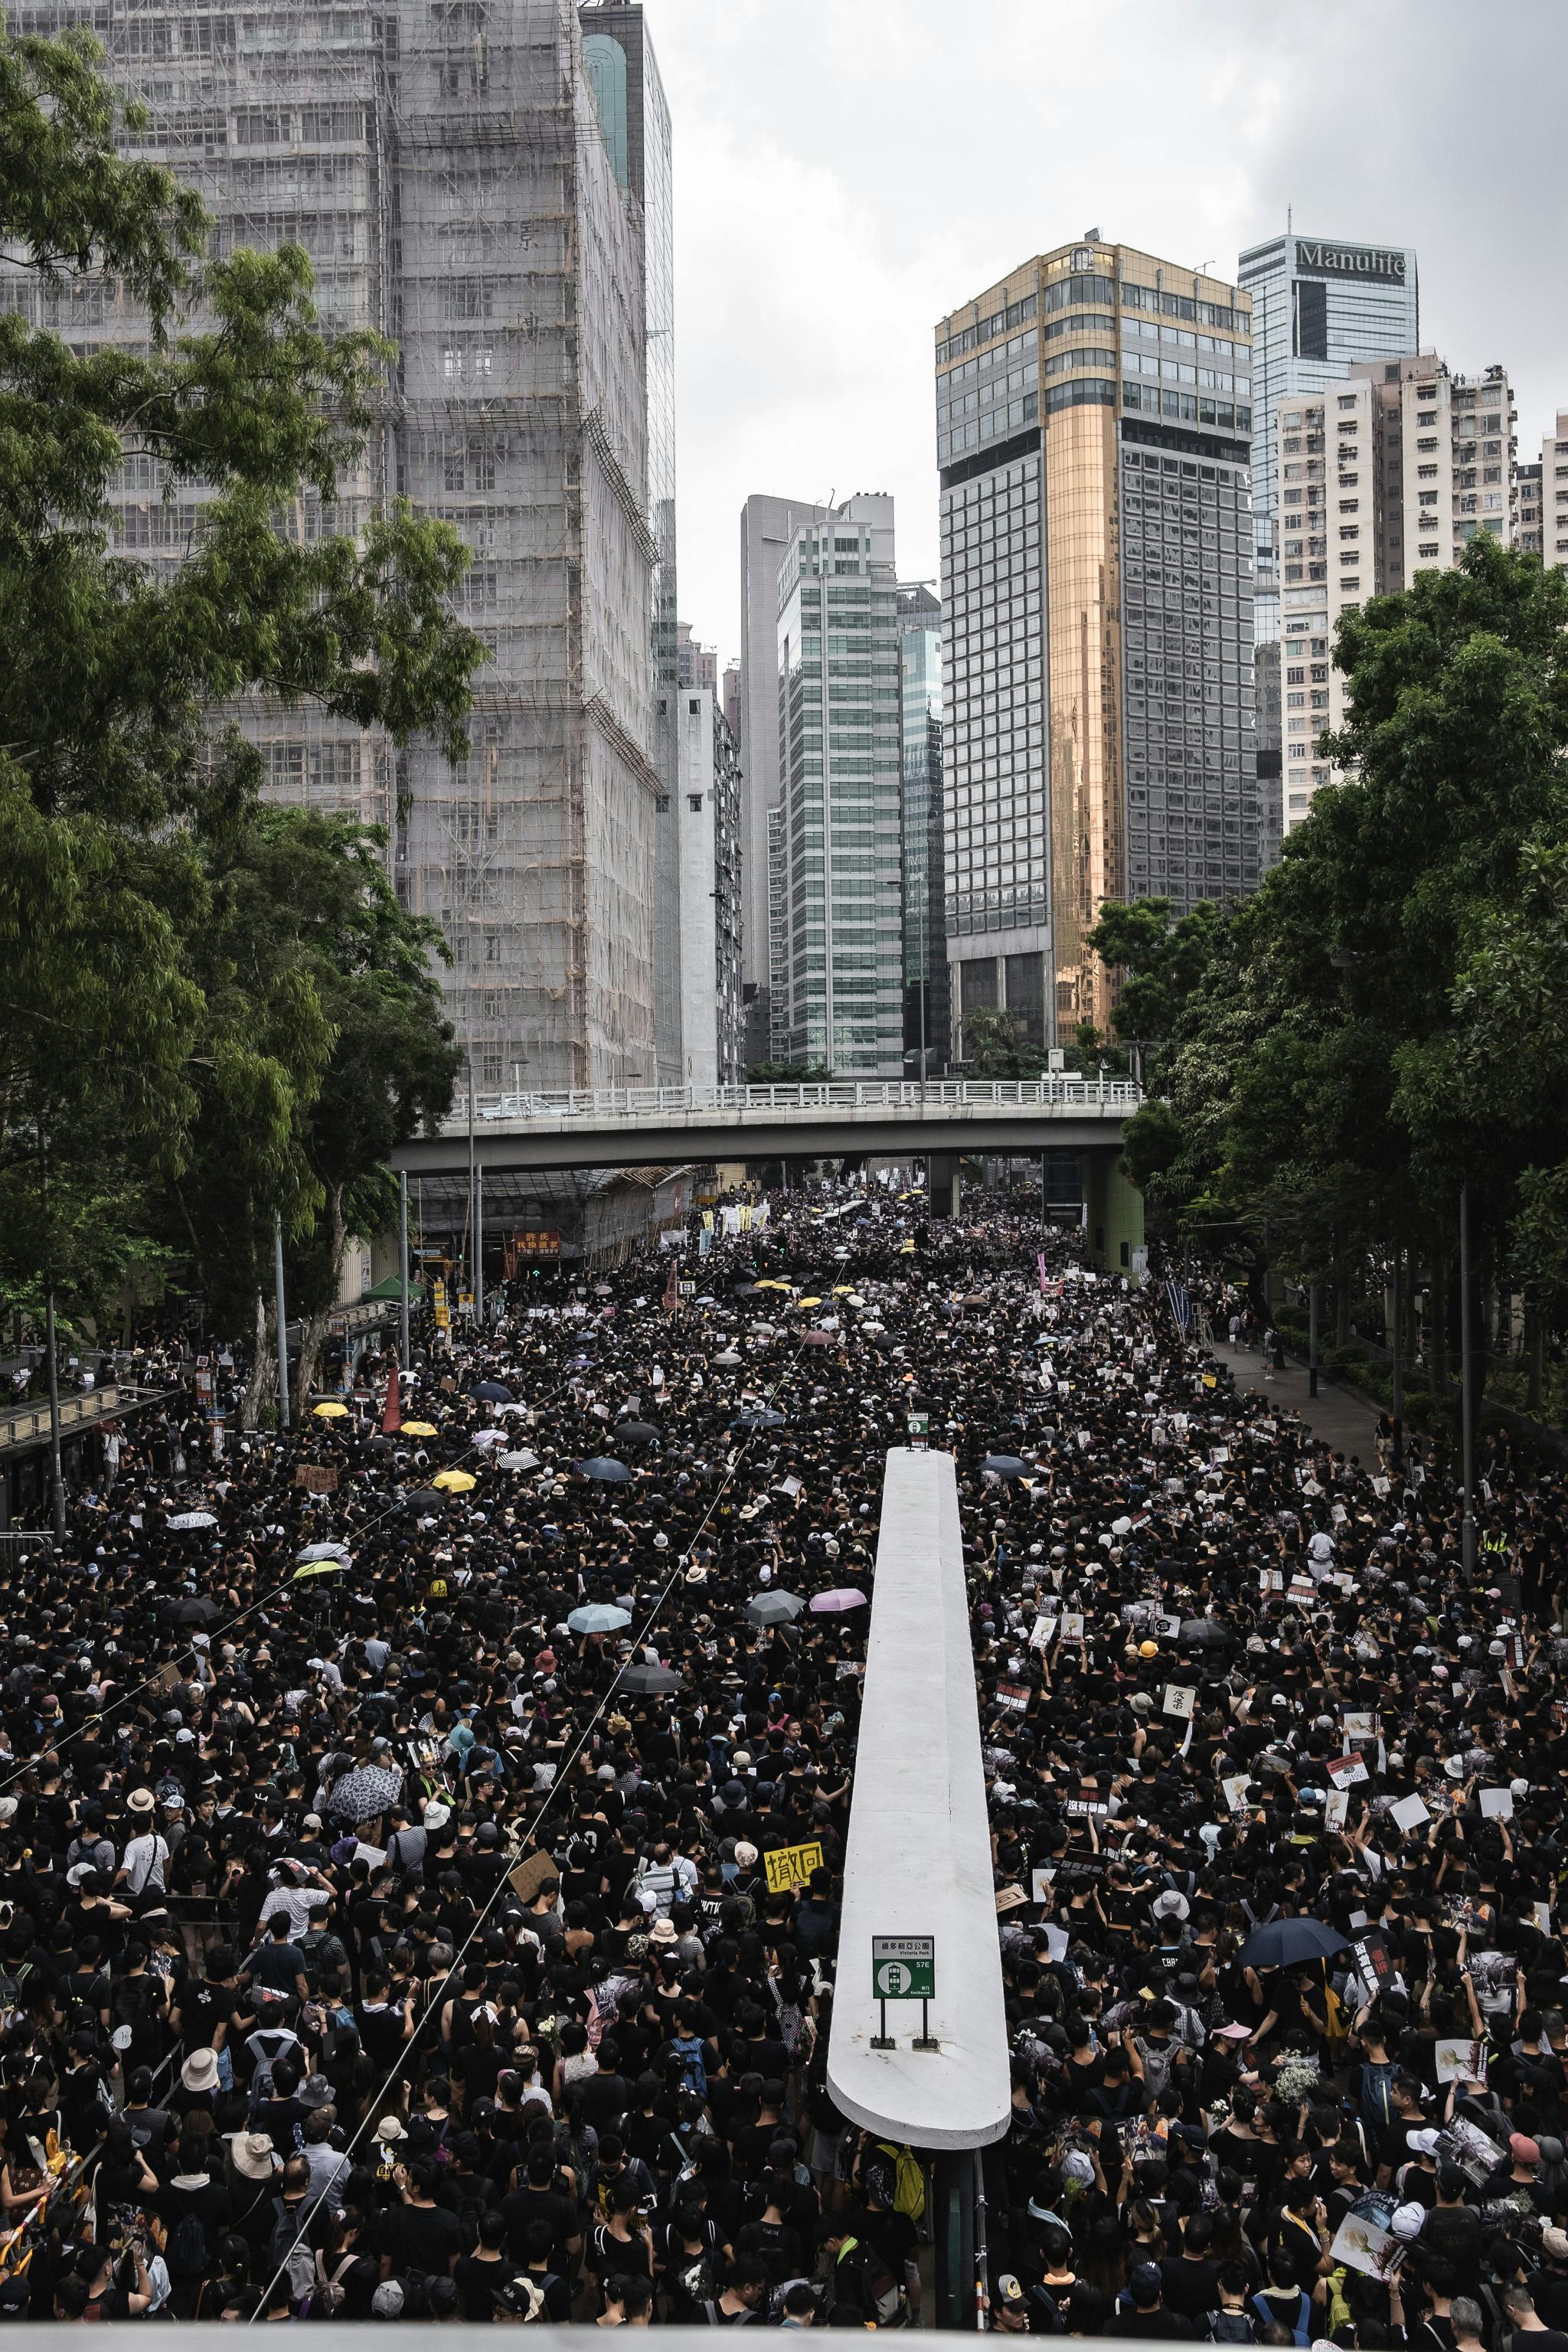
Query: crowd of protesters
395 1916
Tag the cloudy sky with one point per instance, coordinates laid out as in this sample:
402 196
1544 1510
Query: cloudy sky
847 173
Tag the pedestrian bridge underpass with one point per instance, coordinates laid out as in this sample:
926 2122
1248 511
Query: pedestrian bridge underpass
940 1120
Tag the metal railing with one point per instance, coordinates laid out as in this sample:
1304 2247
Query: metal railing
1058 1090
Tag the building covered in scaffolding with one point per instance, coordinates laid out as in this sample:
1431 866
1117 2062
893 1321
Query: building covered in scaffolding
445 164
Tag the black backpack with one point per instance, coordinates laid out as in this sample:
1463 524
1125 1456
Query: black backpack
187 2251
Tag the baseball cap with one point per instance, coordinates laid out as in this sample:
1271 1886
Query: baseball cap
1008 2288
1144 2280
386 2303
1407 2220
1421 2143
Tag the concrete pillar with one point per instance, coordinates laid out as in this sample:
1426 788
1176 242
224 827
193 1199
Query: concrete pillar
942 1183
1115 1213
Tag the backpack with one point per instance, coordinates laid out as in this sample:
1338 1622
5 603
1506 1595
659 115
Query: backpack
691 2071
1377 2093
1228 2327
329 2293
186 2253
885 2293
287 2251
1300 2328
908 2180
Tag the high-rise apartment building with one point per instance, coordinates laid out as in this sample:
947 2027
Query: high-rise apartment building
1094 415
1388 472
446 170
768 526
634 115
708 817
1551 502
1530 481
695 665
926 1023
837 981
1319 305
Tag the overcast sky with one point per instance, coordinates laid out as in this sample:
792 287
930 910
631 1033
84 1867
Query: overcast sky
844 174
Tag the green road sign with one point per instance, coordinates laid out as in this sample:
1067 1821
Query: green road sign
903 1968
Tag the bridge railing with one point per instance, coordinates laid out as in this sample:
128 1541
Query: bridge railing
1055 1090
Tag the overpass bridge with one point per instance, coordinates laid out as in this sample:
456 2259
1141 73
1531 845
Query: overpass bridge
631 1126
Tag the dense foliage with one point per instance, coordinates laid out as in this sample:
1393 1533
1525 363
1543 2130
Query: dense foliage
1388 1016
215 1011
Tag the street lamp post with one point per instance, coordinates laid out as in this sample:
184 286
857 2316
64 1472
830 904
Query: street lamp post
1467 1395
1397 1388
403 1259
56 1477
282 1315
1312 1338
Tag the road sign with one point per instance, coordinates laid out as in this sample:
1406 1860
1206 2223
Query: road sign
903 1968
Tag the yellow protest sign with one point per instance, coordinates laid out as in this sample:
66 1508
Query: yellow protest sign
792 1865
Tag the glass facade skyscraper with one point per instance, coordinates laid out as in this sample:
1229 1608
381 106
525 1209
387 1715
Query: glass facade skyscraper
838 1002
1093 423
1319 305
920 743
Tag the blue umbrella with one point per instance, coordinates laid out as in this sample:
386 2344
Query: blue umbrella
605 1468
598 1617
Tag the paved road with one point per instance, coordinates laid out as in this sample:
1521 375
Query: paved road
1345 1422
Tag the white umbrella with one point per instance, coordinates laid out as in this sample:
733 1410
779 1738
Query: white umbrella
490 1437
324 1551
522 1460
182 1519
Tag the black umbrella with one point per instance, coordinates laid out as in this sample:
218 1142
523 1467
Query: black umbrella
1286 1943
650 1681
380 1445
1204 1633
426 1498
758 1417
200 1610
492 1391
604 1466
1003 1466
745 1289
636 1432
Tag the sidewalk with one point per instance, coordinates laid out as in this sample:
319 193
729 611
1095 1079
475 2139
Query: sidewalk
1343 1420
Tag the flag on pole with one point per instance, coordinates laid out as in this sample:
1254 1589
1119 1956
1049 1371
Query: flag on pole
392 1416
672 1286
1181 1301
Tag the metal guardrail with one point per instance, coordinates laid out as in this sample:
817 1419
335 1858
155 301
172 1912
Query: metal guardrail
1056 1090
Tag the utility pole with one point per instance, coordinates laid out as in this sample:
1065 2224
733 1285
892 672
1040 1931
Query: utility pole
1467 1395
469 1238
282 1315
478 1245
402 1258
1312 1338
1398 1416
57 1479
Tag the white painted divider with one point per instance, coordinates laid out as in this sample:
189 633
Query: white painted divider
918 1861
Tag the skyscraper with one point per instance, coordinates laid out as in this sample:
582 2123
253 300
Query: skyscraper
1093 418
1389 471
837 981
635 116
446 170
768 526
1319 305
708 820
920 753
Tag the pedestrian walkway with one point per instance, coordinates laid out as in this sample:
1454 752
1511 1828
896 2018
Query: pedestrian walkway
1343 1420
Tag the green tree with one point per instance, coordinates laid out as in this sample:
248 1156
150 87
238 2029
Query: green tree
117 784
997 1045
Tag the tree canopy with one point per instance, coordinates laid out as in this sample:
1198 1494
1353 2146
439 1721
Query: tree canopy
216 1009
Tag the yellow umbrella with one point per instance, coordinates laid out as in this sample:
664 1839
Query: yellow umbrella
771 1284
454 1482
808 1302
906 1249
332 1411
419 1429
843 1291
320 1568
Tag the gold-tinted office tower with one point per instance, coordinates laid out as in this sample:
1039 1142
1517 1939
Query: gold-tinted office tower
1093 418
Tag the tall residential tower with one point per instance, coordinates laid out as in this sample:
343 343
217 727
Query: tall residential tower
838 975
448 171
1093 419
